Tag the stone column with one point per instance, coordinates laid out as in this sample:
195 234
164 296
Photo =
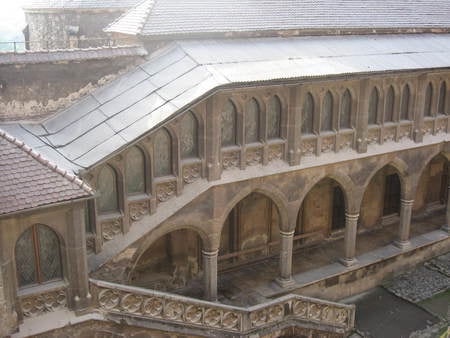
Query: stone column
210 274
287 242
446 227
351 227
405 224
8 315
79 297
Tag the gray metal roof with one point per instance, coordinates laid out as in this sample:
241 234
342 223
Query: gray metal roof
107 120
79 4
168 17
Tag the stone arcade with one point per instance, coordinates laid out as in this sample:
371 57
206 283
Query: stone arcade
239 178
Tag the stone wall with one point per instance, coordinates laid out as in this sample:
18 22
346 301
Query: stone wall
68 29
34 91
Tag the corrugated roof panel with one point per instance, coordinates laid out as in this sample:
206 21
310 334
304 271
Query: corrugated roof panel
101 150
172 72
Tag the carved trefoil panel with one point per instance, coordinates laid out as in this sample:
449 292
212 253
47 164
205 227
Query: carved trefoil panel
328 144
308 147
191 172
253 156
441 125
345 141
230 159
404 132
137 210
322 313
373 136
389 134
165 191
111 228
276 152
428 126
39 304
168 309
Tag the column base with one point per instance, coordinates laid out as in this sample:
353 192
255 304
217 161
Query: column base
285 282
402 245
446 228
347 262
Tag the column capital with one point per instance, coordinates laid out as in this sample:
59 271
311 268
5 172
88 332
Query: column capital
210 253
406 202
287 233
352 216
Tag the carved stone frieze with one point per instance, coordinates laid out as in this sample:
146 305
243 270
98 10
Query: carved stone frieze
165 191
191 173
389 134
160 307
308 147
39 304
328 144
373 136
111 228
230 159
441 126
276 152
137 210
404 132
345 141
253 156
428 127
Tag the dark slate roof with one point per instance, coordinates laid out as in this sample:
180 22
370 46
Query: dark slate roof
28 180
175 17
79 4
71 55
175 78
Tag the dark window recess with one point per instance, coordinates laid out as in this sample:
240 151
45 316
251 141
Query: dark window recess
338 220
444 185
391 195
38 256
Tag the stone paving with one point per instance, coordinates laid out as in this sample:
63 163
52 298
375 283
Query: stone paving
424 282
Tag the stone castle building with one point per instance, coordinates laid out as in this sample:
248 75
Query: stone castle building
237 171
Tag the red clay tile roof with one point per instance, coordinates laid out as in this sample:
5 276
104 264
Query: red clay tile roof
27 180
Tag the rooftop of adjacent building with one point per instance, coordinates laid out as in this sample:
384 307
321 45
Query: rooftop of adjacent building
78 4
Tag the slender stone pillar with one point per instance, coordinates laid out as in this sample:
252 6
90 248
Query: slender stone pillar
405 224
210 274
287 242
446 227
351 227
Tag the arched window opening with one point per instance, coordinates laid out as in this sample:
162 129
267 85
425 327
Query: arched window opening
308 115
249 229
389 109
327 113
189 136
107 188
274 118
135 171
346 110
404 110
428 100
323 209
373 107
392 193
442 106
228 124
162 153
172 262
251 121
38 256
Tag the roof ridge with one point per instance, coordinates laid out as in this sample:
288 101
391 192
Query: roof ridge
147 4
45 162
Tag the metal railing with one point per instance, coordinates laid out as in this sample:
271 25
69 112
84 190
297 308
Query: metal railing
164 307
50 45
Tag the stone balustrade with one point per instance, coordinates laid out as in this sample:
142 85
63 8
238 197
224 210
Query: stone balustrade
159 306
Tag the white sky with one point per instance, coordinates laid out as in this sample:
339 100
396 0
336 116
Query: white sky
12 19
